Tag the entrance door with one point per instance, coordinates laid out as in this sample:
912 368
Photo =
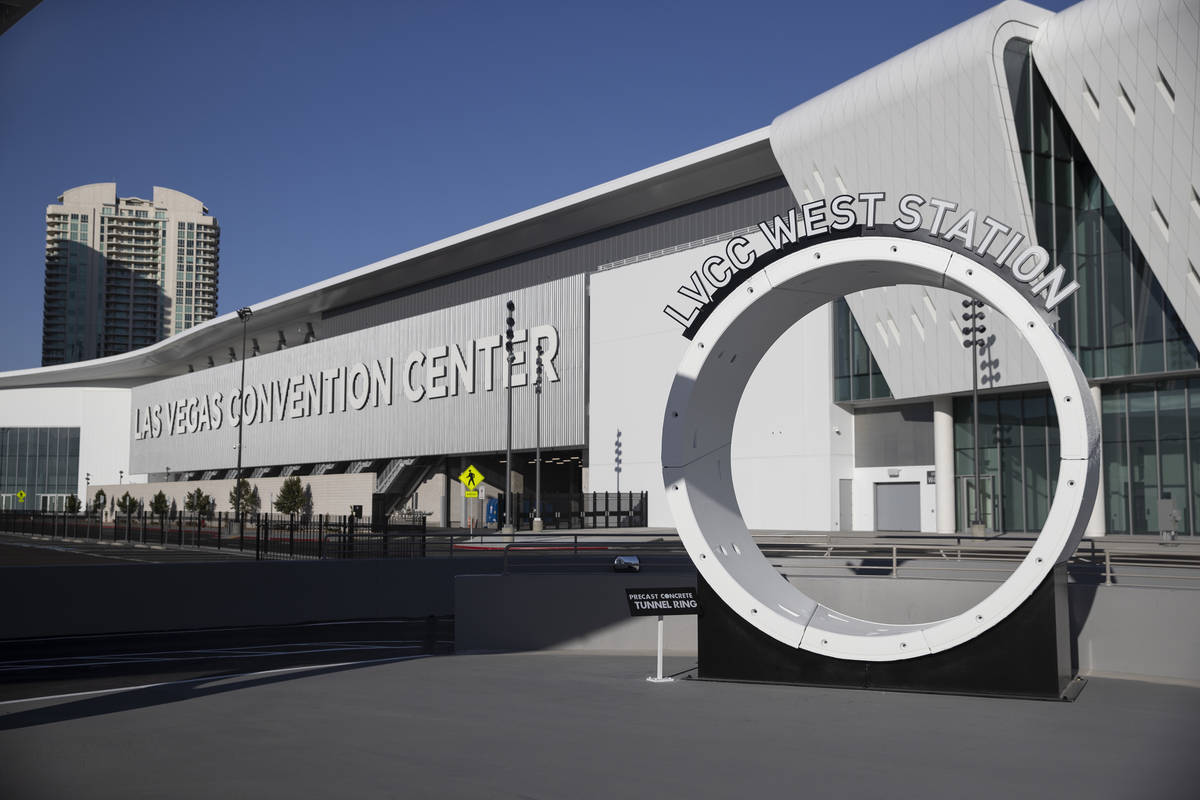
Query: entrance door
967 499
897 506
845 504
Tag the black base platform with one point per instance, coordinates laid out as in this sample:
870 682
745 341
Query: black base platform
1026 655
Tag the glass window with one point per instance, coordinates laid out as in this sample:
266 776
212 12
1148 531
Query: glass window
1180 352
1117 290
1143 459
1172 448
860 384
1148 313
1008 441
39 461
1116 464
1035 466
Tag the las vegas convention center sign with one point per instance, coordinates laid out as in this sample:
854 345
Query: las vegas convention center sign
426 375
744 301
425 384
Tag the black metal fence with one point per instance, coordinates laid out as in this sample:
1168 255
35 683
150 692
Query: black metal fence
268 536
586 510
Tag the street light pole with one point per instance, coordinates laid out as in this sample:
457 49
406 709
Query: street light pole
974 331
244 315
537 497
508 365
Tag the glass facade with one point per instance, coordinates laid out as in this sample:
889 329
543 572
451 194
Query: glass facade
41 462
1127 337
1121 327
1151 454
1120 322
856 375
1018 456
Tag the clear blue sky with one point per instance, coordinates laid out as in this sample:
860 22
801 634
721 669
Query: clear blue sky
325 136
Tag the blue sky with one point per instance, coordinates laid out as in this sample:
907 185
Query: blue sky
325 136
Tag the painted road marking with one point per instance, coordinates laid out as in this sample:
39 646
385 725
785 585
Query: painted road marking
213 678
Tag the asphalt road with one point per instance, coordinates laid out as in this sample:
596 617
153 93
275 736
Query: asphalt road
586 726
18 549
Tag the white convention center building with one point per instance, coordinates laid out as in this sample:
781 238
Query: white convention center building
1058 150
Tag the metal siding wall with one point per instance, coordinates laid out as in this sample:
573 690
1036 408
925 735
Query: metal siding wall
893 437
465 423
689 223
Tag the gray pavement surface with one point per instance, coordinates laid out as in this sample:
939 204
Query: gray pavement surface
587 726
42 666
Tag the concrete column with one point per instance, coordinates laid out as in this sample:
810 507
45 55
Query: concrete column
446 493
1096 525
943 462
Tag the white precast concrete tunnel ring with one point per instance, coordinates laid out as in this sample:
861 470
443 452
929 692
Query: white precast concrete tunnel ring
698 431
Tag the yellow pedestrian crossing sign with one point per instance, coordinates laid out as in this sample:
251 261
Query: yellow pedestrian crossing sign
470 480
21 496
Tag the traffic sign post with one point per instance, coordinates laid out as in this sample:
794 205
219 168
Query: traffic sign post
662 602
470 479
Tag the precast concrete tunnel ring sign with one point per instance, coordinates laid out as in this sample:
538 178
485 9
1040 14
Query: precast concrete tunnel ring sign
703 402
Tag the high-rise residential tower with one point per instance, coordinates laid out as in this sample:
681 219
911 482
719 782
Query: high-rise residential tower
123 272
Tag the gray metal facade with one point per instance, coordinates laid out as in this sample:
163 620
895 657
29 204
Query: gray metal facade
462 422
689 223
893 437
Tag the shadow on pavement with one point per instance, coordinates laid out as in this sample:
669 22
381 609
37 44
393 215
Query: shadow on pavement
119 700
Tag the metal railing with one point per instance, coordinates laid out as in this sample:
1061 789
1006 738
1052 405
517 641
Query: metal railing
593 544
268 536
970 558
583 510
281 537
277 536
947 558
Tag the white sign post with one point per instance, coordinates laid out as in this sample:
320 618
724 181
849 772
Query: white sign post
660 603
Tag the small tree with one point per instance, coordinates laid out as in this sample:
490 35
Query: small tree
198 503
126 504
99 501
159 506
247 495
73 505
292 496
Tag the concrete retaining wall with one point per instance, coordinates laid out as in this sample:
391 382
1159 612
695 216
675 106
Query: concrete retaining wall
1134 632
120 598
565 612
1119 630
1125 631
